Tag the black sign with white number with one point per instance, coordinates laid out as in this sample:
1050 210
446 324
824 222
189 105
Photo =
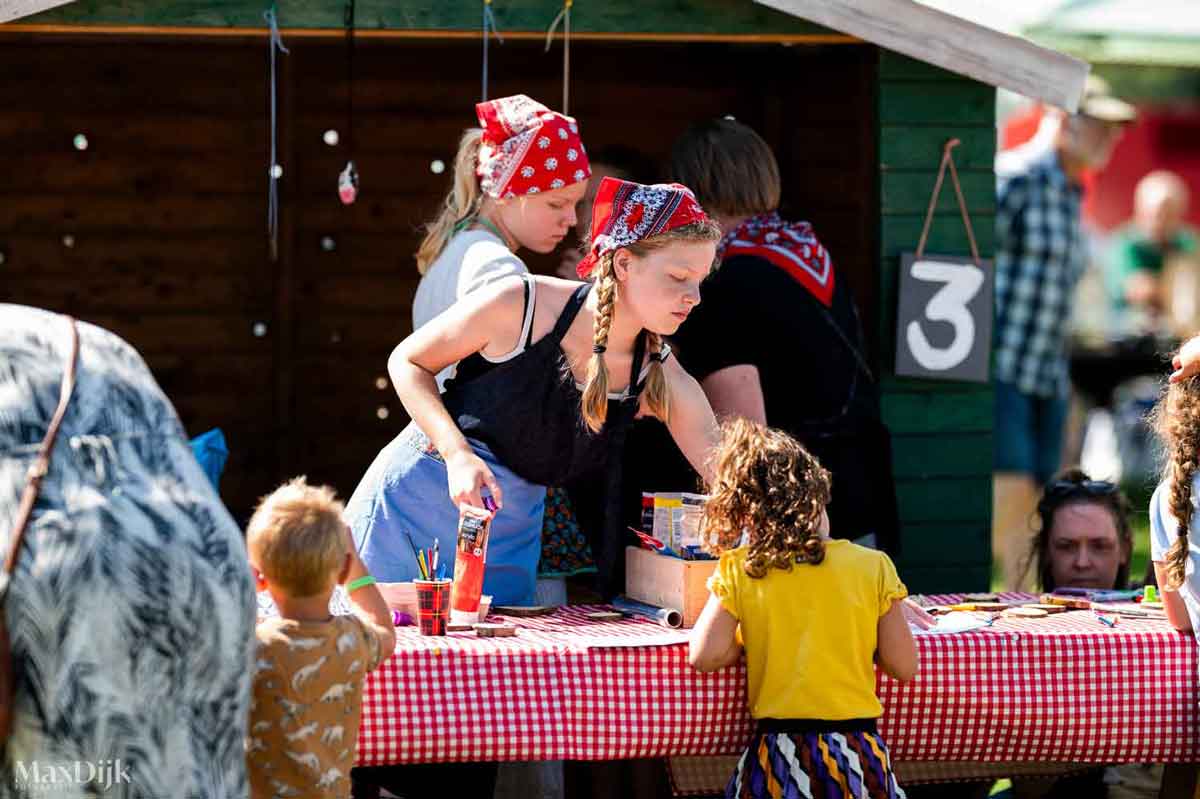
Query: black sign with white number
944 318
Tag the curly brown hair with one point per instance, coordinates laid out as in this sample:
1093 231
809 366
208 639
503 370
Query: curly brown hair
766 482
1176 419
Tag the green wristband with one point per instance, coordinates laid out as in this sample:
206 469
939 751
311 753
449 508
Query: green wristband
361 582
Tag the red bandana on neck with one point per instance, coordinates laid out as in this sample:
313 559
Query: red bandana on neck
789 245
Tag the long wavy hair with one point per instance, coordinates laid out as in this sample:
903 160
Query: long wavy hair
766 483
1176 419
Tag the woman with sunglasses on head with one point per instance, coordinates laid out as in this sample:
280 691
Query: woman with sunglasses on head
1084 539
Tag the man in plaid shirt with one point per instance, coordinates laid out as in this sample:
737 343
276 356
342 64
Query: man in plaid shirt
1040 256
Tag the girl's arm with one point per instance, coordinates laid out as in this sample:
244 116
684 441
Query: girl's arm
896 650
487 321
1172 600
713 643
736 391
692 423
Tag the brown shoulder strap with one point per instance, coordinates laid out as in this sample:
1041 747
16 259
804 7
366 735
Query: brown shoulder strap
41 465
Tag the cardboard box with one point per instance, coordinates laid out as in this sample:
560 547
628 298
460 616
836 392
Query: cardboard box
668 582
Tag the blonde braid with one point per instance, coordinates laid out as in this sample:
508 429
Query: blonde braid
1183 469
1176 418
594 404
658 397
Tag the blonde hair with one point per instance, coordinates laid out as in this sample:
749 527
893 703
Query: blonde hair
297 538
461 203
1176 419
729 166
766 482
594 404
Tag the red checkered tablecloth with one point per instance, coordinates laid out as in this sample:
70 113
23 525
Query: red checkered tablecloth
1062 688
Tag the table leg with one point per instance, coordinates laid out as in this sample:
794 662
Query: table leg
1179 781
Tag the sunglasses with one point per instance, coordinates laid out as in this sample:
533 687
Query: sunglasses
1087 488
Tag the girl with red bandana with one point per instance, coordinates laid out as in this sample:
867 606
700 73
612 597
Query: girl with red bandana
550 375
517 180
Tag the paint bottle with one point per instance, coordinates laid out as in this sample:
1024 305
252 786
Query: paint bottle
470 557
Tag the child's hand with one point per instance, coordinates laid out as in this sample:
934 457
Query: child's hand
1187 362
916 615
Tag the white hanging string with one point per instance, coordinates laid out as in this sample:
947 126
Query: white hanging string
275 43
564 16
489 24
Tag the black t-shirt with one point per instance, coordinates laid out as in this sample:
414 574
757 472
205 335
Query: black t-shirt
815 386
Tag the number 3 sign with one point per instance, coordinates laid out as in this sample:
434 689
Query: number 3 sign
944 318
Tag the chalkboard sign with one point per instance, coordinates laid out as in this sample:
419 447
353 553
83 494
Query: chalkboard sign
944 318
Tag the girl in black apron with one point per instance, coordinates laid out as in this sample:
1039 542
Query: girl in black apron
551 373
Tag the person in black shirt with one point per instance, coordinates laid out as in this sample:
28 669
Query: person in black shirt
776 338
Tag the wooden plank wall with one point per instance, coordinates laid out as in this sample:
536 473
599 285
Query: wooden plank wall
942 431
166 208
653 17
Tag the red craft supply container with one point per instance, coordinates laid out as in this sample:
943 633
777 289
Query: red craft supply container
470 557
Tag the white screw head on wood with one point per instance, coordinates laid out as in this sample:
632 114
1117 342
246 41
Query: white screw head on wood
328 244
381 382
276 171
382 412
331 137
437 166
260 329
68 241
80 141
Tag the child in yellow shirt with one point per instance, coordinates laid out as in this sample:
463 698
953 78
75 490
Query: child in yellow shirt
816 615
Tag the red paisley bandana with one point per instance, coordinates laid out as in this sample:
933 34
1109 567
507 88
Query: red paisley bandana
626 212
527 148
789 245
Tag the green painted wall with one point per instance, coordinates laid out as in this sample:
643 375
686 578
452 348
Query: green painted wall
649 16
941 431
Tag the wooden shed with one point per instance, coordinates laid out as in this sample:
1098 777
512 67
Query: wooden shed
135 138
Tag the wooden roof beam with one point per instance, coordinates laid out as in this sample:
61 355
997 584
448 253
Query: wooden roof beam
951 43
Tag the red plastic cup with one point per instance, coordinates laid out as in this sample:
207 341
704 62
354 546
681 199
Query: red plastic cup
433 606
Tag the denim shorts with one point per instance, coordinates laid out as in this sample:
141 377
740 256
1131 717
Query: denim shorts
1028 432
403 504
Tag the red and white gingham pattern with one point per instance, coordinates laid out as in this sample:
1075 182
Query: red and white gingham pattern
1062 688
547 695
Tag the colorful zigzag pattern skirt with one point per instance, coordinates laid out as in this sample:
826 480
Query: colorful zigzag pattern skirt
815 765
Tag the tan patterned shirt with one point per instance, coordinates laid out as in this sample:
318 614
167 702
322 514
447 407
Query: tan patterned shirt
308 678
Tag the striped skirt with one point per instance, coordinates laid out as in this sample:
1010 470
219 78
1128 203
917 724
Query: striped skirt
840 761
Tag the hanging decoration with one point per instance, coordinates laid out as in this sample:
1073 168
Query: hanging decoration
564 16
274 170
489 26
348 179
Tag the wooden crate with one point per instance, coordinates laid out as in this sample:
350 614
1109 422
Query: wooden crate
668 582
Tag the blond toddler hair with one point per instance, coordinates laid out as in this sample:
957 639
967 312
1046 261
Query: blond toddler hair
297 538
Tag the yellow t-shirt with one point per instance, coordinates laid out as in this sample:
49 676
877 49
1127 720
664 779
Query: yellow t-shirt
810 633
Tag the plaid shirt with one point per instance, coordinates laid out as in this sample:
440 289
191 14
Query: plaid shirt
1039 259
